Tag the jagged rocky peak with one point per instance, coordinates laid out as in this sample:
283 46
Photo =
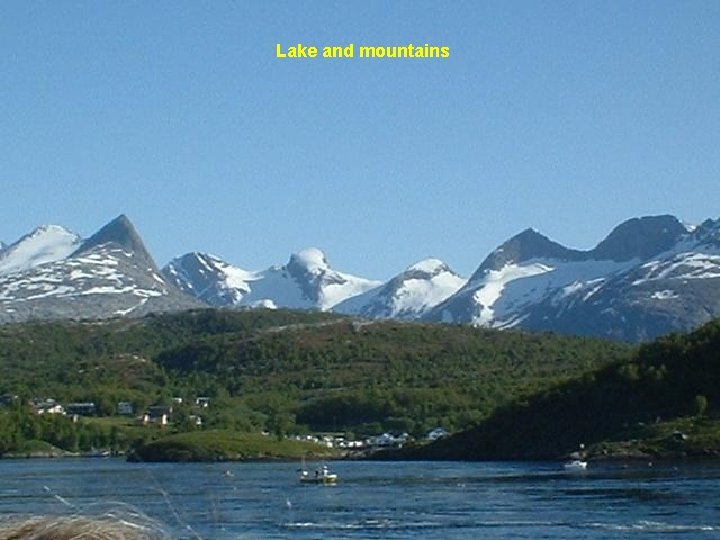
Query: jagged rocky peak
196 268
529 244
120 232
197 259
190 266
708 231
640 238
207 277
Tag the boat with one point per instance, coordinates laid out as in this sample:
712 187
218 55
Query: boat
94 453
320 476
575 465
577 460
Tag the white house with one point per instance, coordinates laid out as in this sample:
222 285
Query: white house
48 406
437 433
202 401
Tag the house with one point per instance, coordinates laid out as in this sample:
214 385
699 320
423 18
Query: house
82 409
155 411
437 433
195 420
8 399
125 408
388 440
384 441
203 402
47 406
160 420
156 414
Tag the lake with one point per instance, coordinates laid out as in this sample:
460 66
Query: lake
388 500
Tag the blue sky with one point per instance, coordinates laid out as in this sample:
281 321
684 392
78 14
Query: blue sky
569 117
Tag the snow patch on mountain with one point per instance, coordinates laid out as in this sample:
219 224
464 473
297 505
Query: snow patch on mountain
312 259
489 290
52 273
96 274
45 244
420 287
500 297
306 282
430 265
666 294
275 287
681 266
695 256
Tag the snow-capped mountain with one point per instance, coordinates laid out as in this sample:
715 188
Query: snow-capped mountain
53 273
408 295
677 289
45 244
650 276
305 282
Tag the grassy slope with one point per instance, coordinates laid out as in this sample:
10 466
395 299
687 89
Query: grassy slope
219 445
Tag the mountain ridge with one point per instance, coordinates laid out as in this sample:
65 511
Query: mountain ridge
306 281
109 274
650 275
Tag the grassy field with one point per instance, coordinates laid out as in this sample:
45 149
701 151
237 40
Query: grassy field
223 445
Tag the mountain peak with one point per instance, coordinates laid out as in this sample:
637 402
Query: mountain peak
408 295
49 228
309 260
528 244
44 244
640 238
707 225
431 265
119 232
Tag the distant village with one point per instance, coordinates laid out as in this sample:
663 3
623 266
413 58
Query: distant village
160 415
164 415
385 440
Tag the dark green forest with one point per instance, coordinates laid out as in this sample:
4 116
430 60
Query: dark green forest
280 371
664 399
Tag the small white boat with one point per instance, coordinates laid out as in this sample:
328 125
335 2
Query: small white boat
97 453
320 476
575 465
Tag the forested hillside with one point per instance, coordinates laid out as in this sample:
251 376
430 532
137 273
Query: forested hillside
292 371
665 400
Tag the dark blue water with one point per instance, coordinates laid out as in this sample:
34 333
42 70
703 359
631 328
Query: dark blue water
379 500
